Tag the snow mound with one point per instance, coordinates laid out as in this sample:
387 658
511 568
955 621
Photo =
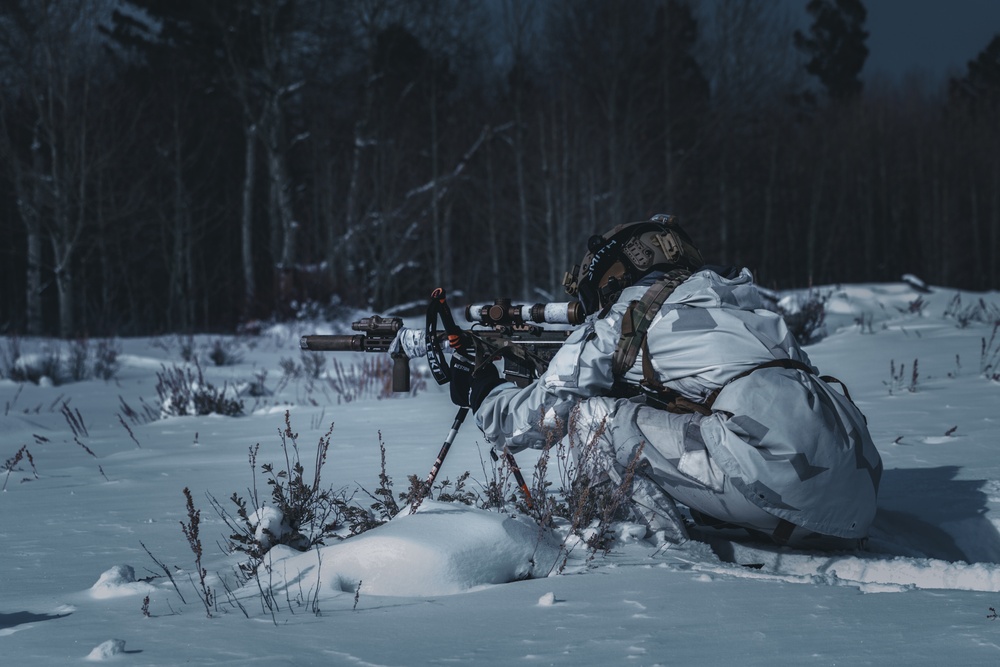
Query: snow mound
443 549
107 650
119 581
269 523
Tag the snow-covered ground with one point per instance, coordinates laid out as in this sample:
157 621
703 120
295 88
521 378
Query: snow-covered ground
87 521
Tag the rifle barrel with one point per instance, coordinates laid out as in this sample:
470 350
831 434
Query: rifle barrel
340 343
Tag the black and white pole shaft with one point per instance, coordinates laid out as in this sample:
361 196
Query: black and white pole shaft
459 418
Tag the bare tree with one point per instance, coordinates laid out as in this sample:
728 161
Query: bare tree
259 40
747 55
27 188
55 64
518 19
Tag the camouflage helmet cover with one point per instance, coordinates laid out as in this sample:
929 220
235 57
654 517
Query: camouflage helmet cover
621 257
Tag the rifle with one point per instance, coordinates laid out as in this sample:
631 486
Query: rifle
510 332
501 330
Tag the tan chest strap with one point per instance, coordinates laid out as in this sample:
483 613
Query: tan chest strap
636 322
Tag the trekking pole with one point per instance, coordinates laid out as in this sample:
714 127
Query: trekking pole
516 471
426 488
438 306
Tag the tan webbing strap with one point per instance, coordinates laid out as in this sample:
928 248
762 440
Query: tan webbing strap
649 378
636 321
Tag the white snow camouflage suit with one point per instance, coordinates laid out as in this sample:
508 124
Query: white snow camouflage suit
780 444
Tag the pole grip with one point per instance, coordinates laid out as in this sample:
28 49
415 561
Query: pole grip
447 319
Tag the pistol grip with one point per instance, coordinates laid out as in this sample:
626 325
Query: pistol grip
400 373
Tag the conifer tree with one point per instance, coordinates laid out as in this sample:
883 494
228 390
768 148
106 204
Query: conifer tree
836 46
980 87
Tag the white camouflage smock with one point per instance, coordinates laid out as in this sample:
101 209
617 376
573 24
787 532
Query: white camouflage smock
782 439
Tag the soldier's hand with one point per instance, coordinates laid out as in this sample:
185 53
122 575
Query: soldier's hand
469 385
463 362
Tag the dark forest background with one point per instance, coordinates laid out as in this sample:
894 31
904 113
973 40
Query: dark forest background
191 165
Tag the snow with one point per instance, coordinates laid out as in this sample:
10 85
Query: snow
444 549
119 581
455 584
107 650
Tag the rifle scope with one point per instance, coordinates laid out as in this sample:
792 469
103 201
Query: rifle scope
503 312
378 325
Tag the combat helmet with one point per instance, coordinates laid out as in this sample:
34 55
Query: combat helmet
623 256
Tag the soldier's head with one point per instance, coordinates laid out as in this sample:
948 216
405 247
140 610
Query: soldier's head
623 256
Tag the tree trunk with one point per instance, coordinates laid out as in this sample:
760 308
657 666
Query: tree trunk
526 235
550 228
974 223
246 225
281 187
567 232
437 232
723 211
994 263
491 224
814 222
669 177
766 241
345 249
33 291
30 216
448 265
289 225
64 287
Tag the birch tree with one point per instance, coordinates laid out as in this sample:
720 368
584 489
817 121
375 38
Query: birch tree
54 54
